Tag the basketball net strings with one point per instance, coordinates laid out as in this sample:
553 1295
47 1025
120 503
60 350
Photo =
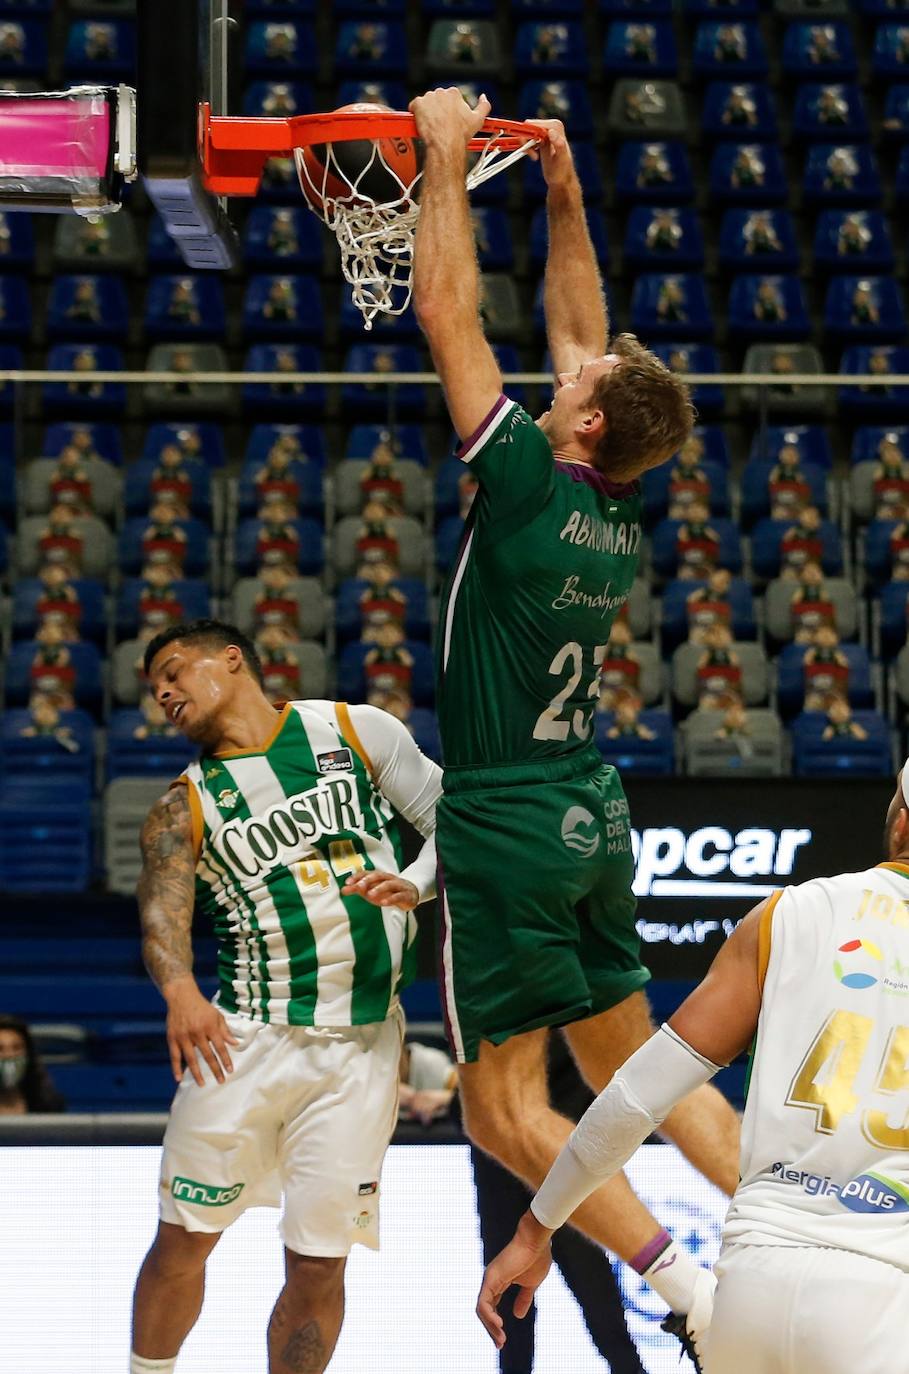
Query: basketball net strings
376 238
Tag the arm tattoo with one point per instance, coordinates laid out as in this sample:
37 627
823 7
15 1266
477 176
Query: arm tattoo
305 1352
166 889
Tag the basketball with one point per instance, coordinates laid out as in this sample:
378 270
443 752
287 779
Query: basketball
326 177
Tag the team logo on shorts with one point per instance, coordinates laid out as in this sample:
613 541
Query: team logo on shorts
579 831
849 971
336 761
362 1220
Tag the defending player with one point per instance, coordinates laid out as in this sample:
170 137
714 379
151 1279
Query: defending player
284 834
814 1271
533 831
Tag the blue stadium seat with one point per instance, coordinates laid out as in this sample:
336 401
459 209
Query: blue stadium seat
17 241
657 483
893 609
755 489
640 47
41 756
85 661
586 162
310 547
26 7
882 402
890 55
449 534
446 488
365 398
665 555
845 240
162 252
349 617
811 441
470 9
157 756
8 472
101 50
136 602
370 91
139 487
185 307
728 49
791 678
302 481
352 684
671 306
45 844
278 47
644 8
99 438
812 756
197 439
12 359
658 173
23 51
825 111
278 9
98 1089
495 246
309 444
539 237
277 399
568 101
760 239
768 307
131 545
813 49
554 49
845 174
367 9
667 237
686 356
15 309
766 548
88 307
542 9
867 439
279 307
739 109
373 49
674 617
635 756
84 398
30 602
864 308
882 553
285 235
408 440
748 174
894 125
901 179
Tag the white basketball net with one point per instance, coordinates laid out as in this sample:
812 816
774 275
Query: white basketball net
376 239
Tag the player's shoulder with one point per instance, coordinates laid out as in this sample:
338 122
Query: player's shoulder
803 898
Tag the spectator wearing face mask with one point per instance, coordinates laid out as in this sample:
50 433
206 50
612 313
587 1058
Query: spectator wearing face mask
25 1084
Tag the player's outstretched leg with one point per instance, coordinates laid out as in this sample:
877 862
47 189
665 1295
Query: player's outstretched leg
704 1126
306 1321
168 1296
507 1113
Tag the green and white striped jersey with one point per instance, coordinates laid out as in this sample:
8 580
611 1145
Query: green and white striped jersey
277 832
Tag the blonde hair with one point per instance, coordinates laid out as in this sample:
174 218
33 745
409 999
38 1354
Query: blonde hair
648 412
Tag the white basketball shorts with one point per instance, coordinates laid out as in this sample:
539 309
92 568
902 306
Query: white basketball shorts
307 1112
807 1310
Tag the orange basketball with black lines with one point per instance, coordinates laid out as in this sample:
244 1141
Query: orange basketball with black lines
361 169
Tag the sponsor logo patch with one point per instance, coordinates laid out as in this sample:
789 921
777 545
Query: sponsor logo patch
204 1194
367 1189
576 826
335 761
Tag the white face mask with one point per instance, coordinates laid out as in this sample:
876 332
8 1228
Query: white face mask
12 1071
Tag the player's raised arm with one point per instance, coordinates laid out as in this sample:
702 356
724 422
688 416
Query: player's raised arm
165 893
577 327
446 278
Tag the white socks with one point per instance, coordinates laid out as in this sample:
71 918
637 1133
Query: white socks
673 1274
139 1365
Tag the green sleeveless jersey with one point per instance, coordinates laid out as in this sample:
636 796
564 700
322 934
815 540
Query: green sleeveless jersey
547 561
277 832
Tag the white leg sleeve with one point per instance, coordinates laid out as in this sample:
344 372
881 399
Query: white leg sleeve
635 1102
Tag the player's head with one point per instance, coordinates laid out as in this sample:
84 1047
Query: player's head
896 826
625 412
198 671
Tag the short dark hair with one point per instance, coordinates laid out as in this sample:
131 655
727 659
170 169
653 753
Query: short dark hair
37 1086
217 633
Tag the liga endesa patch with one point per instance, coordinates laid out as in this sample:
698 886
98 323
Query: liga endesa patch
335 761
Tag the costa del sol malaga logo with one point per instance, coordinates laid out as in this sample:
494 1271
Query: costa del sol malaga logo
851 970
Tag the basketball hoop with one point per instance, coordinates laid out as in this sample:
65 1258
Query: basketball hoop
369 200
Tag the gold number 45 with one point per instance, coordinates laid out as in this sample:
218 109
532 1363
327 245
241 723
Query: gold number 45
344 858
825 1080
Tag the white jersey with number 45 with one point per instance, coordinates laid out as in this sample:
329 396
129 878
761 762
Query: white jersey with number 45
825 1136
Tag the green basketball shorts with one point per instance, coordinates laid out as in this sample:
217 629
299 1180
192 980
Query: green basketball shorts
535 874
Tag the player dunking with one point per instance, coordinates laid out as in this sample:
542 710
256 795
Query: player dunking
284 836
533 831
814 1270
